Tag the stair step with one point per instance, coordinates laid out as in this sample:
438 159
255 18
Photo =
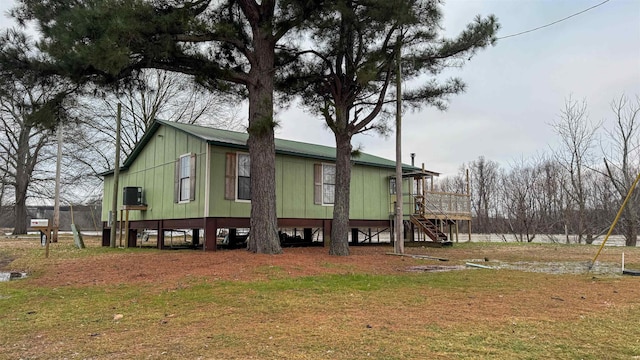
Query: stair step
429 228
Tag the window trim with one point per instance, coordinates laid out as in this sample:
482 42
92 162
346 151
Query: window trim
181 197
237 177
184 196
323 184
230 176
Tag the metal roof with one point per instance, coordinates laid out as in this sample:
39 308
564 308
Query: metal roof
238 140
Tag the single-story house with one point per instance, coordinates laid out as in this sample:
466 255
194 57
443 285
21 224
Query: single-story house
183 176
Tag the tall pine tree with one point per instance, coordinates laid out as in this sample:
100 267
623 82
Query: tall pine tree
226 45
352 68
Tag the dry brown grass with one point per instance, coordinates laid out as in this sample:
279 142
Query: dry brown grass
306 304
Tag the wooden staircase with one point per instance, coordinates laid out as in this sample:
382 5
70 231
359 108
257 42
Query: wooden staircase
429 228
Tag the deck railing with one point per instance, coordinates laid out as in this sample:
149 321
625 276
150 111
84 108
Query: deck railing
443 204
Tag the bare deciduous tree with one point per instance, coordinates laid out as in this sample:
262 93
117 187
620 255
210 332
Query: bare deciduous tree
577 136
31 106
453 184
161 95
603 202
484 187
622 162
550 195
566 192
519 194
89 145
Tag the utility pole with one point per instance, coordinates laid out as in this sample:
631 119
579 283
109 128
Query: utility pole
116 174
398 245
56 201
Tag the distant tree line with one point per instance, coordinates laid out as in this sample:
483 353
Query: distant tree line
575 190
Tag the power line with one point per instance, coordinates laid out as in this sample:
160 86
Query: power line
555 22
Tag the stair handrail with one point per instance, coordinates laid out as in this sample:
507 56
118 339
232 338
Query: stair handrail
421 222
441 212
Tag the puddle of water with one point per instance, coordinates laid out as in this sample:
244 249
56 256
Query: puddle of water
568 267
11 275
435 268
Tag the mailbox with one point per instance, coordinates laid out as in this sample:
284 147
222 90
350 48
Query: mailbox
43 226
39 223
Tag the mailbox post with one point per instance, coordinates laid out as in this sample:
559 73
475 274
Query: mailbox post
45 229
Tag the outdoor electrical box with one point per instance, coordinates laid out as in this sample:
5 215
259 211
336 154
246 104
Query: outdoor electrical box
132 195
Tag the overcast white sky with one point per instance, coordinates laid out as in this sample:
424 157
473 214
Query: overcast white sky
518 87
515 89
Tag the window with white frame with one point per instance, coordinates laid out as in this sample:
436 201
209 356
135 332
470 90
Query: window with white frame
244 177
185 178
328 183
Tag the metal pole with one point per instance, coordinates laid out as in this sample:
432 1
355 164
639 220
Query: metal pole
399 243
116 174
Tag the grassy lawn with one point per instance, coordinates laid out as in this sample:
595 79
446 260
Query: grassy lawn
342 310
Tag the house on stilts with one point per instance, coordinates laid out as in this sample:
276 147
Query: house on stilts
196 180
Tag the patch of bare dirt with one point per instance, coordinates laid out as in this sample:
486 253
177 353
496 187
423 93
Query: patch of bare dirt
149 266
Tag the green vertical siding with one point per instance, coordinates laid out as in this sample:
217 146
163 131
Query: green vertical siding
153 170
376 182
292 193
358 193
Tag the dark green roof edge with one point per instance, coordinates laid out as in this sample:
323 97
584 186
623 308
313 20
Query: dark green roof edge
238 140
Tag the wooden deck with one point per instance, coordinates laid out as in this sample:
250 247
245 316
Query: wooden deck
443 206
436 214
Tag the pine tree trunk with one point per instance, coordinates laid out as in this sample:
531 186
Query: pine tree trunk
340 226
264 224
